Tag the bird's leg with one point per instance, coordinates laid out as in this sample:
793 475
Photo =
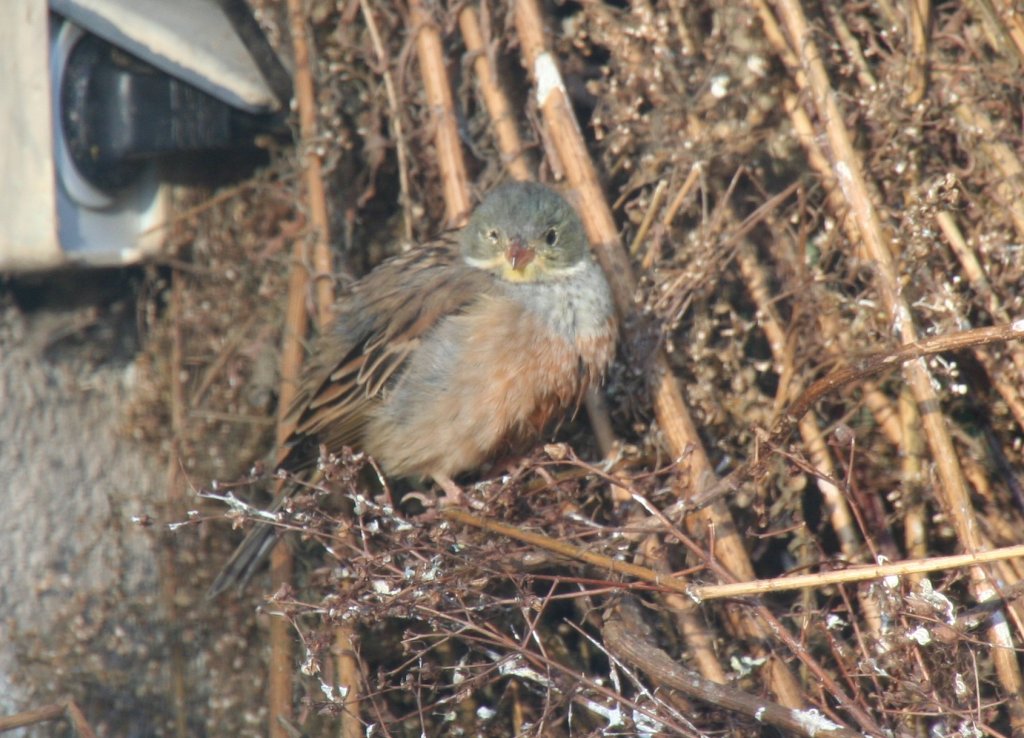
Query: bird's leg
452 491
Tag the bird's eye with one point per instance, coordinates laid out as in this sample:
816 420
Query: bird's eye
492 235
551 236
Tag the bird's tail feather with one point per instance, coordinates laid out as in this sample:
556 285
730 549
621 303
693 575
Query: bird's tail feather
246 560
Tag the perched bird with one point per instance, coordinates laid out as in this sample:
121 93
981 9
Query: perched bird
441 357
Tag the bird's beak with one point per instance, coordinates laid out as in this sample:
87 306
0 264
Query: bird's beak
519 255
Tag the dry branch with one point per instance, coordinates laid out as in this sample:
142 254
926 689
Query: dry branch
506 128
442 115
169 580
312 263
401 148
67 710
624 635
699 593
849 168
858 371
673 416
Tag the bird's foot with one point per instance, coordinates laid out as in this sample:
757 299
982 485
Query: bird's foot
453 494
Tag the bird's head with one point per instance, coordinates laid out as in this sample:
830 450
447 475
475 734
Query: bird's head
525 232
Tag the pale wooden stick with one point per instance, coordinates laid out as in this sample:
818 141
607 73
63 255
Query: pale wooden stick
699 593
169 570
316 198
510 144
281 675
849 169
976 125
397 132
919 14
673 416
854 574
66 709
442 115
1009 388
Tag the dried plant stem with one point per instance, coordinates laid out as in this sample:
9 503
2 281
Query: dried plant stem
696 171
506 130
657 200
919 21
689 622
1009 14
883 411
628 639
878 403
834 13
562 548
977 126
835 503
67 710
348 682
397 133
1007 44
316 199
442 115
912 477
1009 388
875 245
673 416
687 41
857 574
318 259
175 509
279 688
703 592
880 362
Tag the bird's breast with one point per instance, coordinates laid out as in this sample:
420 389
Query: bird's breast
498 371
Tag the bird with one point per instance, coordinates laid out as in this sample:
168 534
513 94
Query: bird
442 357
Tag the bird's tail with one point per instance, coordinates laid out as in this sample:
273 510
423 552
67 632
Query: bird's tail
257 545
246 560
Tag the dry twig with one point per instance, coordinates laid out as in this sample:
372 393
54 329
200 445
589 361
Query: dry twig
673 416
67 710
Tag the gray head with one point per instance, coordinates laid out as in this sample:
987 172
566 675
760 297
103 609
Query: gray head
524 232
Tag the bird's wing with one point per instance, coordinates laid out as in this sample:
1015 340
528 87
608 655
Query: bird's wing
377 325
376 328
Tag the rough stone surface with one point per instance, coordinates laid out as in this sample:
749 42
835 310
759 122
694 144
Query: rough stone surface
78 582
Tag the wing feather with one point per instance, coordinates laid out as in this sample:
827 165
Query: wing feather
377 327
